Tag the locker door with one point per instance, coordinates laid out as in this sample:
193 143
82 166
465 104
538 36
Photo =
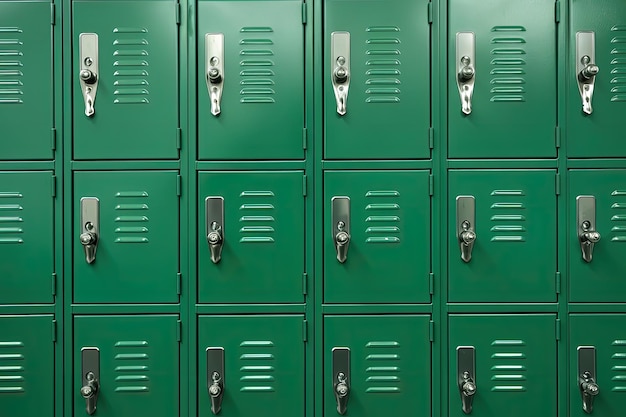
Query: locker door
388 368
262 360
515 371
600 279
513 258
605 334
27 366
26 237
596 134
387 107
261 88
135 91
26 77
262 227
387 258
135 362
514 58
136 239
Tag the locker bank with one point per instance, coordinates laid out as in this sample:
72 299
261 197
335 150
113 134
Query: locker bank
312 208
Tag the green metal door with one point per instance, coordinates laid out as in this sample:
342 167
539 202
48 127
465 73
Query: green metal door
138 359
262 87
598 134
263 364
135 102
600 279
388 255
389 368
513 105
513 258
263 226
515 369
26 77
27 385
606 334
26 237
387 111
136 254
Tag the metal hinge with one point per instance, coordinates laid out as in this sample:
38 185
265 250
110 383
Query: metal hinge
54 283
431 283
431 184
431 137
305 330
53 13
179 283
179 185
557 137
304 185
54 331
179 138
304 13
557 279
558 329
430 12
431 331
305 138
557 11
305 283
53 139
179 330
178 13
54 186
557 184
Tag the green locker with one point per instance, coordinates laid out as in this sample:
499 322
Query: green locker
386 258
125 74
259 218
26 77
383 362
134 364
502 58
597 30
381 49
600 337
253 106
26 237
512 214
600 279
27 385
511 361
260 365
126 237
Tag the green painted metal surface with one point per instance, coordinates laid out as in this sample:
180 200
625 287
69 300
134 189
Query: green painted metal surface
263 99
387 112
262 258
137 254
600 280
27 365
26 237
136 104
600 133
264 363
139 364
514 104
390 367
515 358
514 255
25 80
388 257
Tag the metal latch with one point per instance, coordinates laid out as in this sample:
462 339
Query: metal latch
341 377
88 53
215 377
586 223
90 226
214 53
466 374
586 69
340 67
587 376
214 214
466 225
465 68
341 226
90 359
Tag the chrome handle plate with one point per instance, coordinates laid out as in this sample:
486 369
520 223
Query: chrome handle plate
215 377
89 73
89 227
340 68
466 376
586 69
586 224
587 376
341 226
214 215
341 378
90 368
214 53
465 68
466 225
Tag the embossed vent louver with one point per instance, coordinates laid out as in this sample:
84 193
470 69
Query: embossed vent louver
383 64
11 66
507 64
508 217
256 66
132 366
131 222
618 63
383 216
508 370
130 66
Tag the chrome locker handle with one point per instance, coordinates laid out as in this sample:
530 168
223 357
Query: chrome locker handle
341 226
90 359
215 377
341 378
466 371
340 68
466 225
586 223
586 69
88 75
589 389
90 227
214 52
465 68
214 218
